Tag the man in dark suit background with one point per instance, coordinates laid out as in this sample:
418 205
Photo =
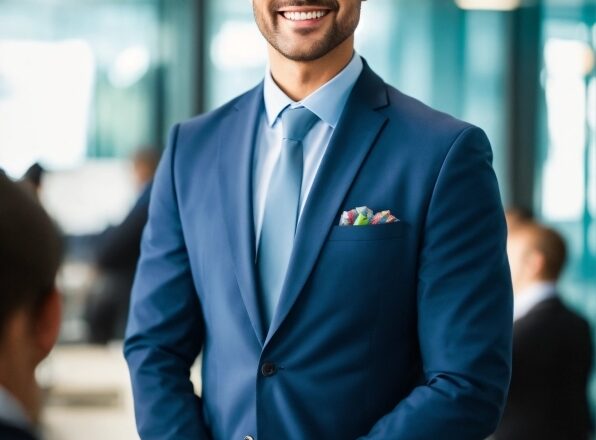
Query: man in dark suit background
117 252
552 350
30 253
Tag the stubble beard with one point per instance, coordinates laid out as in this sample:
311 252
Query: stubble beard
336 35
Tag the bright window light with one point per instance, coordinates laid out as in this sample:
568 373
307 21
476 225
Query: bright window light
489 5
238 45
130 66
45 98
563 194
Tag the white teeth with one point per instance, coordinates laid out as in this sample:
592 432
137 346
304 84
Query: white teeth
298 16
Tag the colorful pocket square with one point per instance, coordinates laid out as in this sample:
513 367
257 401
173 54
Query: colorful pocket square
383 217
363 216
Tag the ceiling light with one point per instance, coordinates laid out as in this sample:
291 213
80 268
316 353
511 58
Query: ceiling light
489 5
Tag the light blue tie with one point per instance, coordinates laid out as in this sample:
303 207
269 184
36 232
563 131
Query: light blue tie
281 209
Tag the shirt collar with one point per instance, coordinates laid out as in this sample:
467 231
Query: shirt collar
327 102
12 412
527 298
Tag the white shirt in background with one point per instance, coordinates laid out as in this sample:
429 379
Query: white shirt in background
527 298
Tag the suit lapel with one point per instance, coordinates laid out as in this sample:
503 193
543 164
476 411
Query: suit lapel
352 139
235 157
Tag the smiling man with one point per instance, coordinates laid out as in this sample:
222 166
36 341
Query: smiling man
316 317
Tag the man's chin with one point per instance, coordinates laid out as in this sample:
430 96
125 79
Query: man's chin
305 50
301 55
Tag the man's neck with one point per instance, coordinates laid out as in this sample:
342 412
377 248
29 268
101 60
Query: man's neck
299 79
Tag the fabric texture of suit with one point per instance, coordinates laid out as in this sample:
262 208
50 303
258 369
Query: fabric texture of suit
398 331
9 432
552 357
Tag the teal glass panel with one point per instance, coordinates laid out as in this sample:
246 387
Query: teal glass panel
236 53
92 78
566 169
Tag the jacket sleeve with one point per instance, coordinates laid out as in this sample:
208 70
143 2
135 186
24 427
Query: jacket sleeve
165 328
464 306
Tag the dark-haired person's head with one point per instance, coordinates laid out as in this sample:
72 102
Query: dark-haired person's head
34 174
30 254
536 254
32 179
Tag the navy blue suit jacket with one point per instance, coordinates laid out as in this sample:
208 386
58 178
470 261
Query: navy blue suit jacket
398 331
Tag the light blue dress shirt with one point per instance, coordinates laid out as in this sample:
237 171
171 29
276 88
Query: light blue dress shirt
328 103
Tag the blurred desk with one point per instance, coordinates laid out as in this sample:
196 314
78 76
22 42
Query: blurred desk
89 394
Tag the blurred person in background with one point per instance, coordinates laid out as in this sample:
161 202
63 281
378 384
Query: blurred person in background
30 254
117 252
552 347
312 329
516 216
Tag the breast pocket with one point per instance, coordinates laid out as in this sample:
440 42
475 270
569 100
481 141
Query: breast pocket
386 231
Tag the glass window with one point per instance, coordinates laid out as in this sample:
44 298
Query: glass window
85 84
236 51
566 169
36 78
97 61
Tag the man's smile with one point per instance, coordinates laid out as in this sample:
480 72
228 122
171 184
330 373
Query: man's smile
302 16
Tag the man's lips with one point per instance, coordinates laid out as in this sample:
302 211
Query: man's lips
304 13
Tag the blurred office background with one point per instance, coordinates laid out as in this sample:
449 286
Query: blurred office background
83 83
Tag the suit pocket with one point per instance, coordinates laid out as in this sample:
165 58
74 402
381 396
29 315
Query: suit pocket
385 231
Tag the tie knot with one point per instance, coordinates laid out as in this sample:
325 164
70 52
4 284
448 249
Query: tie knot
296 122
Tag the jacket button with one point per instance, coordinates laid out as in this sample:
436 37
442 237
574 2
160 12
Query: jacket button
268 369
249 437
